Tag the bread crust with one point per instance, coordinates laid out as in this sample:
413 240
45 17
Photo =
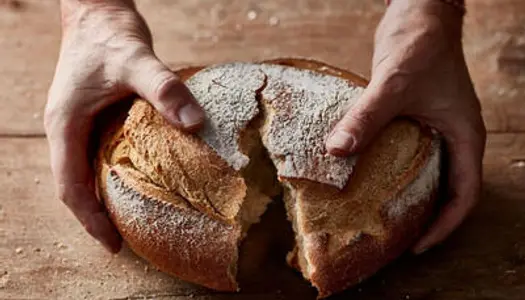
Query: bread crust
179 246
349 263
338 258
162 227
199 245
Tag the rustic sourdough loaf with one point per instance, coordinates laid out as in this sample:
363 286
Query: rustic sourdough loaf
185 202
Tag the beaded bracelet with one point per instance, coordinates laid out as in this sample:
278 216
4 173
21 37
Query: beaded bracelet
458 4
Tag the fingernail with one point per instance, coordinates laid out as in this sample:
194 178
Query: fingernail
190 115
181 108
341 140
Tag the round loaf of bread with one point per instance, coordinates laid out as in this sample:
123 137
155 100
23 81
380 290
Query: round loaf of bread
185 202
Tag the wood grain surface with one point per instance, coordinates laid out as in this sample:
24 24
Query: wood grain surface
45 253
200 32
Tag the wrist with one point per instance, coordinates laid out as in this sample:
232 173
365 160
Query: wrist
438 12
72 11
441 7
458 4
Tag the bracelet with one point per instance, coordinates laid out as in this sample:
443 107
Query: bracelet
458 4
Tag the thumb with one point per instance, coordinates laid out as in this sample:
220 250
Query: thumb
376 107
156 83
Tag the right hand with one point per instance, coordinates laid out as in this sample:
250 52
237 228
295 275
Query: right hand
419 71
106 55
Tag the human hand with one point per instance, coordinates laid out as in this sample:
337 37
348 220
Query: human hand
105 56
419 71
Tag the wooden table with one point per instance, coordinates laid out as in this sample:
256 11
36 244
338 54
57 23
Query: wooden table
45 254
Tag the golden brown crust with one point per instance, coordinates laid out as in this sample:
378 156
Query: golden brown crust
367 254
177 245
163 227
320 67
344 257
155 195
169 221
174 161
345 236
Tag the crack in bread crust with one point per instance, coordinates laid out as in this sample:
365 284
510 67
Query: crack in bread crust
339 254
177 166
266 121
228 95
301 108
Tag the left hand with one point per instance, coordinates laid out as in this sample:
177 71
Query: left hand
106 55
419 71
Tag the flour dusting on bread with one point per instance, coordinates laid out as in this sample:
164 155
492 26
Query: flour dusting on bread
418 190
177 232
302 107
148 219
227 94
185 202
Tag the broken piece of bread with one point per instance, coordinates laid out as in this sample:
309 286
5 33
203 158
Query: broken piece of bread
185 202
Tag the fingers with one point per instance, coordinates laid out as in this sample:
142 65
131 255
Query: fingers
378 105
465 147
81 200
163 89
68 138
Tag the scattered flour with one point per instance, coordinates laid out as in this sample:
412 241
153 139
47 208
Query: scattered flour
252 15
4 280
273 21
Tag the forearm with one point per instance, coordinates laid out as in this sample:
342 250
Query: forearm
445 16
71 10
80 3
457 3
444 9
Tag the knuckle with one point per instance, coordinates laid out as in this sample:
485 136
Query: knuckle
146 74
56 120
132 53
53 116
51 110
162 84
62 195
363 118
355 123
394 84
69 110
66 103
